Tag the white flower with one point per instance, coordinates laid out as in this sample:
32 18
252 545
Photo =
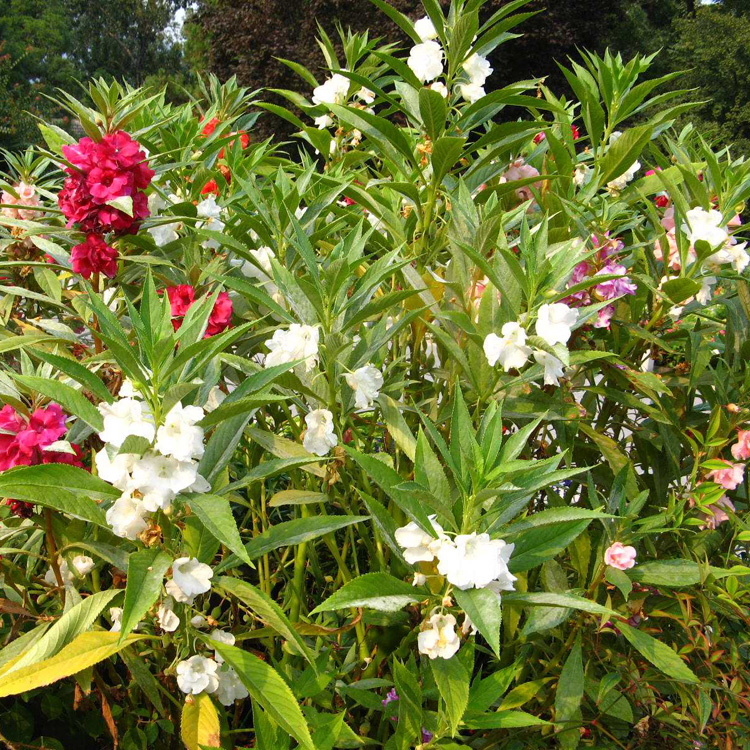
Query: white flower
426 61
215 399
168 620
705 225
210 211
554 322
319 437
199 622
582 175
83 564
706 291
366 383
418 545
620 182
553 367
367 96
179 436
161 478
192 576
230 687
67 577
471 92
333 91
127 517
197 674
128 389
262 270
441 88
177 593
510 350
474 560
478 68
115 614
222 636
441 639
298 342
425 29
731 253
115 470
323 122
163 234
419 579
125 417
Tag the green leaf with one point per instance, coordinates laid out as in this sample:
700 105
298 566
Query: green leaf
75 621
678 573
483 608
290 533
124 203
146 569
77 371
504 720
267 688
433 110
538 544
42 485
551 599
379 591
678 290
622 154
72 400
215 513
452 682
296 497
446 151
266 609
85 651
568 698
658 653
199 725
620 579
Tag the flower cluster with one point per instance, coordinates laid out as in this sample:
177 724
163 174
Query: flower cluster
34 440
554 325
21 203
467 561
604 262
151 481
182 298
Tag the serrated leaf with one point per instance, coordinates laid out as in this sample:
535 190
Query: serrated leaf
215 512
483 608
379 591
267 688
658 653
200 726
85 651
146 569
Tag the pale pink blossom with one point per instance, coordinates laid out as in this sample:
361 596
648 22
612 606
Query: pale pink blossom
741 449
729 478
619 556
520 170
717 513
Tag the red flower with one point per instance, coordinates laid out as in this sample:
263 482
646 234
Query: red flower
210 187
220 316
575 132
210 126
94 256
61 457
244 142
182 298
539 137
115 167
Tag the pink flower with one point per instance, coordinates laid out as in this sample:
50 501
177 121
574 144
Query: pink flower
26 197
718 514
181 298
604 317
94 256
49 424
740 450
619 556
729 478
520 170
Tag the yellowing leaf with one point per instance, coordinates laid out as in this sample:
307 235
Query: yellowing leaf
200 725
86 650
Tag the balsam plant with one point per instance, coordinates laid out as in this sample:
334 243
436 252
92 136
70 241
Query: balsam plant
432 433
